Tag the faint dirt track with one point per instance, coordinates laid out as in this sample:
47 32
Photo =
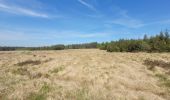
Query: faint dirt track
89 74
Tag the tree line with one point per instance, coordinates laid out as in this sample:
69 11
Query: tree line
5 48
54 47
158 43
82 46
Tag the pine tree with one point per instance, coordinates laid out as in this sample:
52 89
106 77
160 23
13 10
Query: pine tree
145 37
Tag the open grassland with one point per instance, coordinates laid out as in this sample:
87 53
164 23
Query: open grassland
84 75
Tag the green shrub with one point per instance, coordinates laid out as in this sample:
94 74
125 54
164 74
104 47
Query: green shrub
103 46
112 48
138 46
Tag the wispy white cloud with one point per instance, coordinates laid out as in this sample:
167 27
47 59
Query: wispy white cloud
158 22
21 11
41 38
127 22
133 23
124 19
8 35
87 5
73 34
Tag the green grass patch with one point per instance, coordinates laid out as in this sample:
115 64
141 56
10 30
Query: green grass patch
78 94
45 88
36 96
58 69
41 95
165 81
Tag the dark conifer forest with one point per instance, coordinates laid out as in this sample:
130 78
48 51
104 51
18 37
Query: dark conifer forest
158 43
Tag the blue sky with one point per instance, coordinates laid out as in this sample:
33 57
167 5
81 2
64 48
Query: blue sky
49 22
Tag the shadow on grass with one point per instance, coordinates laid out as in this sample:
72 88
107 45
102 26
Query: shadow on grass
29 62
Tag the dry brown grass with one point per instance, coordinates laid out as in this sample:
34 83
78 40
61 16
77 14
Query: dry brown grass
159 63
83 75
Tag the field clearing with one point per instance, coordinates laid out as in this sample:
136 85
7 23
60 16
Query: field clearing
86 74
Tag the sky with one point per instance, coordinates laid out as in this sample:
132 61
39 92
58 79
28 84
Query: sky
50 22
